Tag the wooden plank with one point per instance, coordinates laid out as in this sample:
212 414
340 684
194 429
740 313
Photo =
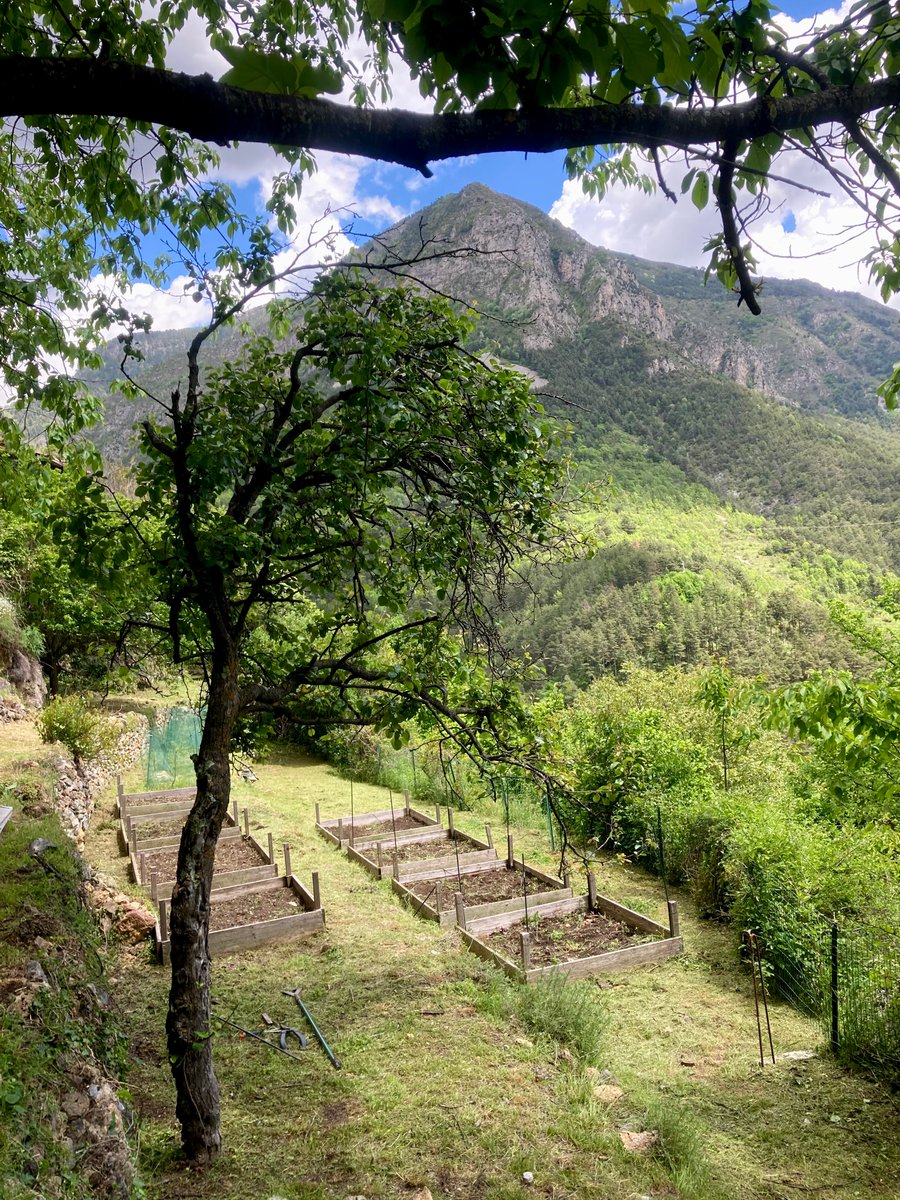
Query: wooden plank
445 867
241 937
151 811
372 867
169 842
260 849
542 876
629 916
280 929
223 879
273 883
615 960
494 908
484 951
131 798
555 908
306 897
423 833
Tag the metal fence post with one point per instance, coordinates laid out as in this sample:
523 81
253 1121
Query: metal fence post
835 1039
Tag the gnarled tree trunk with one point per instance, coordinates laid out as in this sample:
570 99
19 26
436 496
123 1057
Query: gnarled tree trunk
188 1022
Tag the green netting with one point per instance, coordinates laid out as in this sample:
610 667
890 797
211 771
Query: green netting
174 736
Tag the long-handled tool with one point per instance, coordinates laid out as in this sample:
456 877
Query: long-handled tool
295 995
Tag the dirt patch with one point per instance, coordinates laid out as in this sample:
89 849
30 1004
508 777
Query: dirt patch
232 854
484 887
376 827
164 827
416 851
575 935
254 906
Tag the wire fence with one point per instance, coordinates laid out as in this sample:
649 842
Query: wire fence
847 977
173 738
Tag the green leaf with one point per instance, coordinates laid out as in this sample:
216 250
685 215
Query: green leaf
700 191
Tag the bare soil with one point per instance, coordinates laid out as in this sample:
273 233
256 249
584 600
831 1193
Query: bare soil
232 854
484 887
558 939
164 827
254 906
376 827
417 851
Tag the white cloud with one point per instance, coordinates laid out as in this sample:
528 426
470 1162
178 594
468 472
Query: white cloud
654 228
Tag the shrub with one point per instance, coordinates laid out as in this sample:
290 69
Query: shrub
83 730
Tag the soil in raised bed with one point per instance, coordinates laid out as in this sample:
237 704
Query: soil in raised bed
164 827
573 935
401 821
251 907
232 854
417 851
484 887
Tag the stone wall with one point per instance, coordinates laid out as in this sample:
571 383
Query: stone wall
77 789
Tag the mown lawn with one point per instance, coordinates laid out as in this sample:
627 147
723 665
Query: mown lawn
444 1087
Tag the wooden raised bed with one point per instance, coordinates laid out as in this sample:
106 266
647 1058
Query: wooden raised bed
411 859
147 871
163 796
404 823
448 906
308 919
153 828
476 936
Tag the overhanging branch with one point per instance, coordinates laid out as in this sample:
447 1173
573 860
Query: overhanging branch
214 112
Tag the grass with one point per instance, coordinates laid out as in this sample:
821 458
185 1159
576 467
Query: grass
454 1080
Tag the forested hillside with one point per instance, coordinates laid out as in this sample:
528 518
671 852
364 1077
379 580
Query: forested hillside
746 473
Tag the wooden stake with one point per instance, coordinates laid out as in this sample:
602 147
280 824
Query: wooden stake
340 829
592 892
438 896
318 817
163 921
317 895
450 824
525 947
246 822
396 869
271 847
234 810
132 837
154 886
567 879
460 910
488 836
406 802
142 867
379 851
437 813
287 860
510 855
674 922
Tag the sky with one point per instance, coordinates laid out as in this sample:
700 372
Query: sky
802 236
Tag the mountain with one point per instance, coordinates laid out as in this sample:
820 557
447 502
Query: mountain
750 474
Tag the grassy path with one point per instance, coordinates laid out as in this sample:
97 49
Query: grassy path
441 1090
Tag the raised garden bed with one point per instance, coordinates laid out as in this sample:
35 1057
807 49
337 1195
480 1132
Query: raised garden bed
424 855
238 860
493 888
150 828
577 937
404 822
254 914
158 799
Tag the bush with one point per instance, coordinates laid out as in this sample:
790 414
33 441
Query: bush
83 730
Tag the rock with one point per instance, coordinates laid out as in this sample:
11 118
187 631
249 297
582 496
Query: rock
527 1177
638 1143
135 923
35 973
422 1193
75 1104
608 1093
797 1055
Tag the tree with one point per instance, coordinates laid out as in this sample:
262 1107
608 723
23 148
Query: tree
331 525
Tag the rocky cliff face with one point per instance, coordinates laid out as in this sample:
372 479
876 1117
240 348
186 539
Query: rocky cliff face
21 673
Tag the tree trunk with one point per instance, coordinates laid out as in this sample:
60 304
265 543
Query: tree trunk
188 1022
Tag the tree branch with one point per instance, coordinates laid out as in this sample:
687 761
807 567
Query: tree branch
215 112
